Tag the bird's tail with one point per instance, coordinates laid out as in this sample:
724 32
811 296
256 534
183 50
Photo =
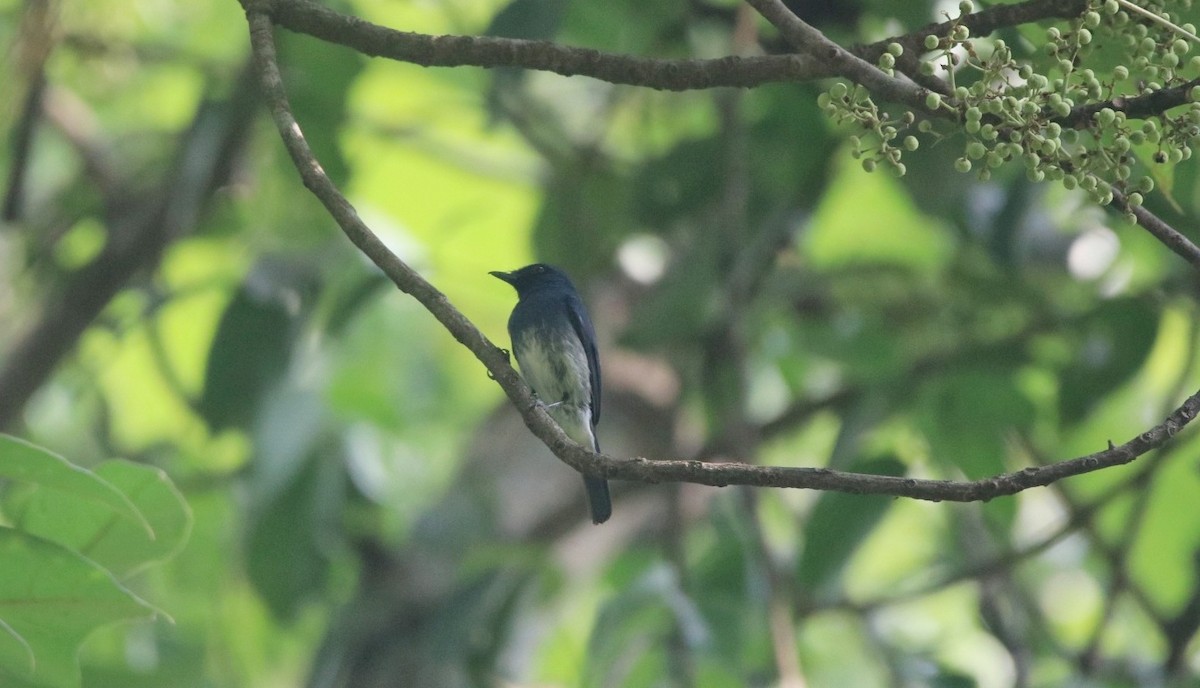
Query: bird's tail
598 498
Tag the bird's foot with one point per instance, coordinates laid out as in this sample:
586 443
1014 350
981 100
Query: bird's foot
507 359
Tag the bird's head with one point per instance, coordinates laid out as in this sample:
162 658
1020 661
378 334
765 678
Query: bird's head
531 277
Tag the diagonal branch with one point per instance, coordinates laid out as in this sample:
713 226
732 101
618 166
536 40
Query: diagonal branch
807 39
641 469
1165 233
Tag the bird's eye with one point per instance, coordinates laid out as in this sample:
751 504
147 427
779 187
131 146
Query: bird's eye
540 269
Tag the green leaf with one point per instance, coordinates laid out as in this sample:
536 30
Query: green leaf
1115 342
966 416
50 599
98 533
25 462
630 626
839 523
252 347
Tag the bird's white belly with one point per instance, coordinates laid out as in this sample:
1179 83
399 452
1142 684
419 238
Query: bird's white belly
560 377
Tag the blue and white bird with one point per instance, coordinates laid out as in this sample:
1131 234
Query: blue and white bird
555 345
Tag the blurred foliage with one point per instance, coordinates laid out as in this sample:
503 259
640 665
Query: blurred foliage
366 507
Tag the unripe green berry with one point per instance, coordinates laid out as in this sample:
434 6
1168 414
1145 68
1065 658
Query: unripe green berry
1091 19
1194 94
972 126
966 7
838 90
1135 199
962 165
1070 181
976 150
927 68
887 61
1083 37
1145 185
1179 46
931 42
901 170
911 143
868 165
933 101
925 126
895 49
1111 7
1170 60
1120 72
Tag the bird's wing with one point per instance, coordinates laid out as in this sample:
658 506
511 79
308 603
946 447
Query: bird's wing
587 337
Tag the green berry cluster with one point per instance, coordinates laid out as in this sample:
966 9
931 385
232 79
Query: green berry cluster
1059 117
882 143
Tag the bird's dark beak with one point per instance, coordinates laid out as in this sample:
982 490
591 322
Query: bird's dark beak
505 276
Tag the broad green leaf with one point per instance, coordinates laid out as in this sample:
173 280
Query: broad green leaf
636 621
25 462
50 600
252 346
1163 557
98 533
967 415
837 526
865 218
1114 343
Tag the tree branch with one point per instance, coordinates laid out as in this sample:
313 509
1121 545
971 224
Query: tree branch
305 16
641 469
980 23
842 62
1165 233
140 227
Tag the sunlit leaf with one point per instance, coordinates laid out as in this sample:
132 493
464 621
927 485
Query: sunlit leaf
22 461
836 527
103 536
51 599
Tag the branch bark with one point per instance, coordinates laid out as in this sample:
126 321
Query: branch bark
637 468
305 16
140 227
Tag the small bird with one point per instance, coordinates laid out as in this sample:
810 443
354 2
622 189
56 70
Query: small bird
555 345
